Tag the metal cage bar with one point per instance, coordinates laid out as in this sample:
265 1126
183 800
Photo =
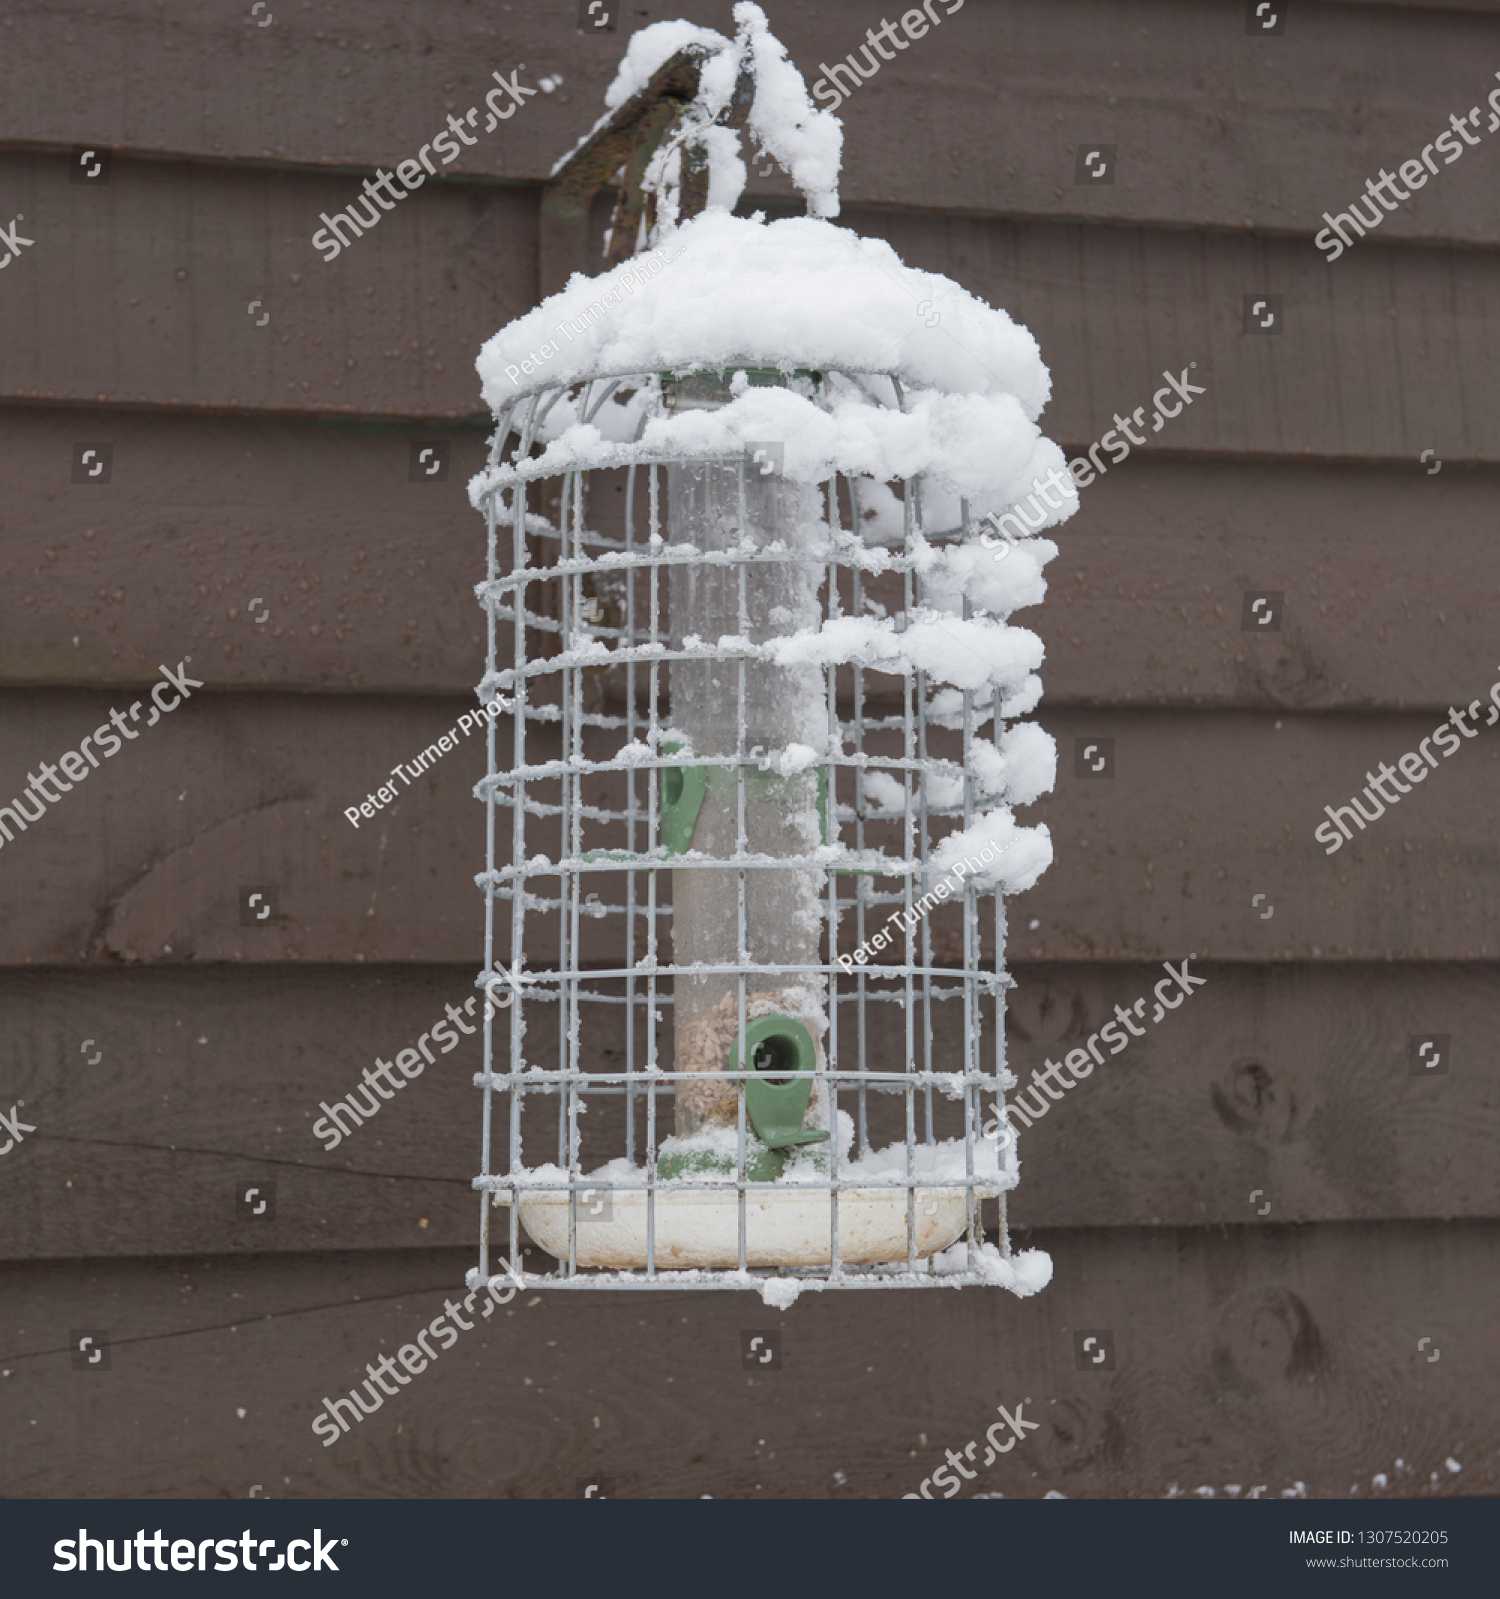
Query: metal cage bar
606 775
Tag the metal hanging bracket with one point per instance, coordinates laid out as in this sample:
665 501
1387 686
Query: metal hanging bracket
625 144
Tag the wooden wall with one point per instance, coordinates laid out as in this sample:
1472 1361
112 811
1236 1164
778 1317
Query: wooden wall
1275 1348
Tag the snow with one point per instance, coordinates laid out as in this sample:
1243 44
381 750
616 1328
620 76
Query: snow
794 758
724 300
807 141
1024 1274
1017 769
936 413
1018 855
956 572
779 1293
970 654
934 1165
650 49
1023 766
983 448
883 792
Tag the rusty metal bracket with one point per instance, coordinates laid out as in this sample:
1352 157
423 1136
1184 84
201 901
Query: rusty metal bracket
628 141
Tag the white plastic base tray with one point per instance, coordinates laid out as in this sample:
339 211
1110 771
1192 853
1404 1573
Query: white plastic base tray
783 1227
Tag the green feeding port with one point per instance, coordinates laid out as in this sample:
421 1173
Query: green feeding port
761 1165
775 1100
682 791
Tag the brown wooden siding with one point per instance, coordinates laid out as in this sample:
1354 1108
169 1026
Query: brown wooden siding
1254 1347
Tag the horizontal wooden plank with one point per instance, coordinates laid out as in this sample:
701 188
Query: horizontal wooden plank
1168 855
152 290
159 1096
1368 363
1270 1361
1391 354
1486 7
1283 1092
985 112
145 861
1146 603
366 578
253 795
195 1086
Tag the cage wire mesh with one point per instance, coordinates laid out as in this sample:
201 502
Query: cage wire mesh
684 1085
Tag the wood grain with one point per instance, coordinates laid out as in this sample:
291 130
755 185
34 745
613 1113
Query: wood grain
1145 603
171 1057
1392 353
983 114
1263 1358
141 292
1367 366
367 578
145 861
1290 1083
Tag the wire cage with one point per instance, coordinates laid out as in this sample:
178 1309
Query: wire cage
740 1026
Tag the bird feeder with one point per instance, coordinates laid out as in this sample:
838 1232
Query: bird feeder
750 824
